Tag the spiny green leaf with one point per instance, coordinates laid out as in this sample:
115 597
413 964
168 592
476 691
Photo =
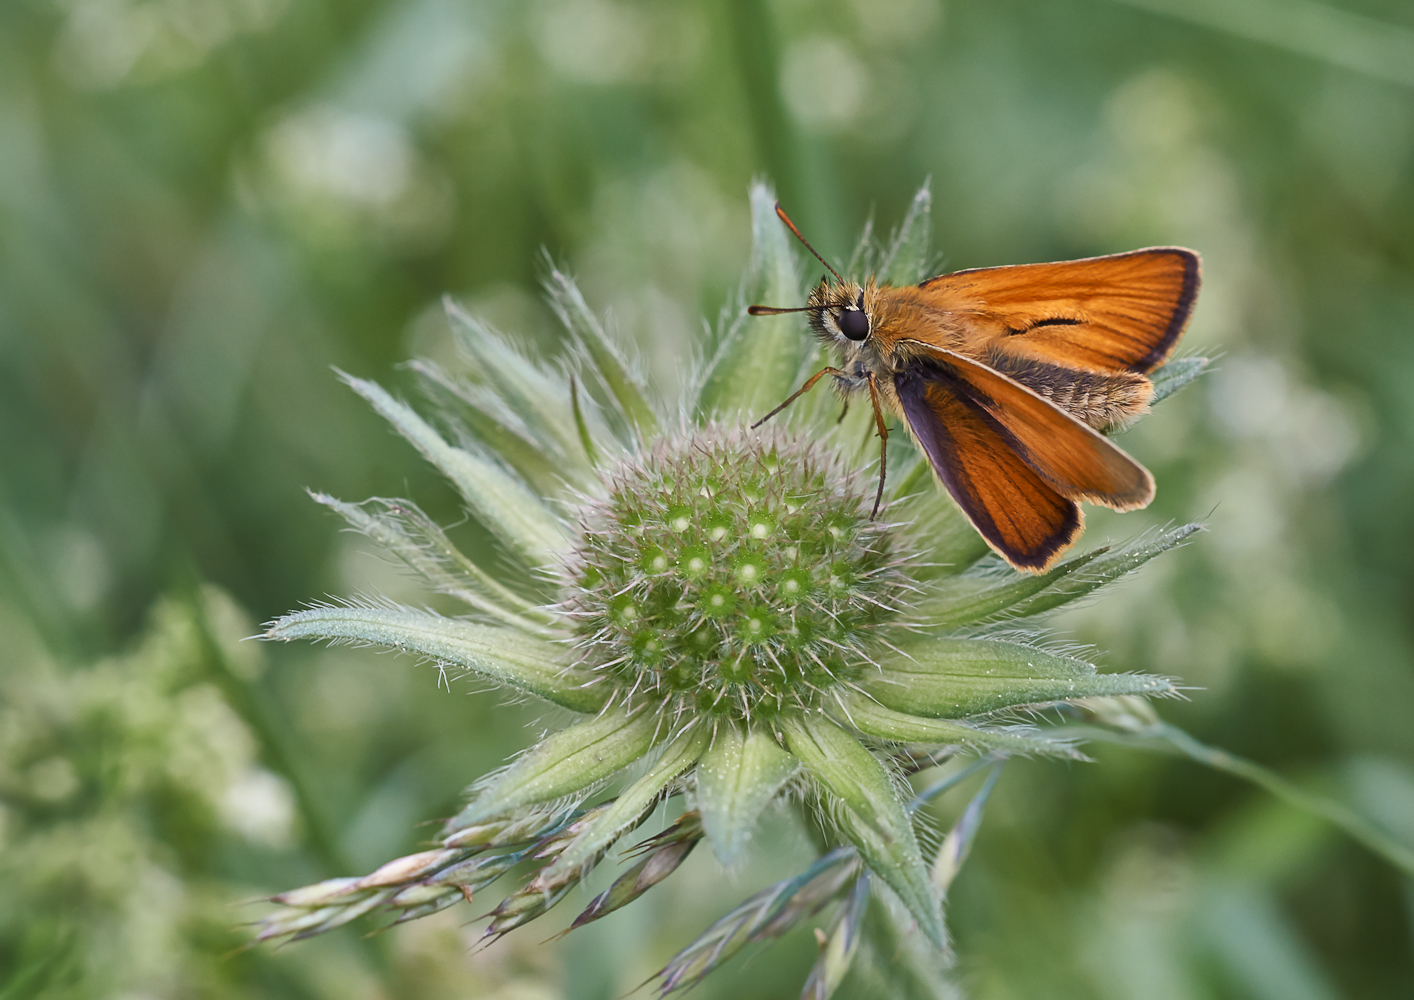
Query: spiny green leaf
483 413
873 719
503 655
625 388
955 678
586 439
950 543
865 257
967 599
759 358
516 516
533 392
1174 376
869 812
906 261
406 532
633 802
1107 566
736 780
566 762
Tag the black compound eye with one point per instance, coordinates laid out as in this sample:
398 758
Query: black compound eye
853 323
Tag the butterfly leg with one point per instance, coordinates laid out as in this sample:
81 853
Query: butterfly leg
883 442
809 384
843 411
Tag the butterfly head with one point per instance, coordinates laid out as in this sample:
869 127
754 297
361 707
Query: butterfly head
840 313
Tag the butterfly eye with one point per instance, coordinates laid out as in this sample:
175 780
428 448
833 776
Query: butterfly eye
853 323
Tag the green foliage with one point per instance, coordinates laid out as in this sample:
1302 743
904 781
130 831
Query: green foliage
202 212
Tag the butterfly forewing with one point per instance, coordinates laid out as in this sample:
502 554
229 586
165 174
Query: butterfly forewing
1026 521
1124 312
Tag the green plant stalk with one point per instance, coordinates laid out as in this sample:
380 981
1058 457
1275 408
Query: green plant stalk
1337 814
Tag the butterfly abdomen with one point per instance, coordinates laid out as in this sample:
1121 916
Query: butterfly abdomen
1100 399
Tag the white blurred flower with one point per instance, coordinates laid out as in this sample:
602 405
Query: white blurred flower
259 806
353 157
823 83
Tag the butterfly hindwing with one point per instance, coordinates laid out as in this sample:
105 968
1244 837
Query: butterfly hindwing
1122 312
1075 460
1026 521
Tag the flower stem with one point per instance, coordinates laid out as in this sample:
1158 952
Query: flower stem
1339 815
1333 812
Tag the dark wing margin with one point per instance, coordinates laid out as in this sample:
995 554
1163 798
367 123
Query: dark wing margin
1027 522
1182 312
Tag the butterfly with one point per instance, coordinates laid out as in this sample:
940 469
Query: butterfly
1006 377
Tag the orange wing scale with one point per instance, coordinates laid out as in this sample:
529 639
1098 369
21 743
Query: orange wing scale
1123 312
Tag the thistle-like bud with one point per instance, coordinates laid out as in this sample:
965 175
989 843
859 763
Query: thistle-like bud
733 575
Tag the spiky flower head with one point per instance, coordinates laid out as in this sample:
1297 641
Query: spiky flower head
734 576
722 611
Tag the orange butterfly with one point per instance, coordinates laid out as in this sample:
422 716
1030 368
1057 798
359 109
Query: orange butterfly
1005 377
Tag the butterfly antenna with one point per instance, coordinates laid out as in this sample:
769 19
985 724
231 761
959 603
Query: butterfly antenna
780 212
777 310
774 310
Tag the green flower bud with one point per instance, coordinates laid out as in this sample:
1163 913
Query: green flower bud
738 510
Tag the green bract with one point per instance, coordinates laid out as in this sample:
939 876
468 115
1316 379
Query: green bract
721 610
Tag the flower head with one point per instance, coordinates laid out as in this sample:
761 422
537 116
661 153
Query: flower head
732 576
722 610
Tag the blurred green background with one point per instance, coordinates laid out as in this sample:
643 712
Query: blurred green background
204 204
